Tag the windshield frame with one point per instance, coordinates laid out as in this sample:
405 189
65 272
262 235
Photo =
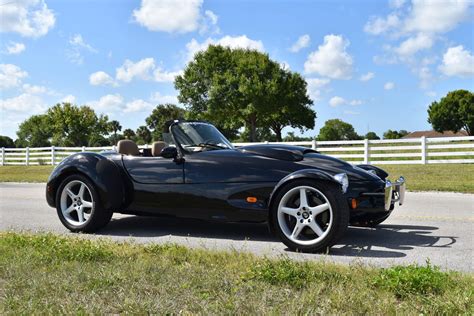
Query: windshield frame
182 151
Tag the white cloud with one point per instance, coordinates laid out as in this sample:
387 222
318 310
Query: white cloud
14 48
302 42
389 85
109 102
78 41
378 25
426 16
457 61
314 87
158 98
366 77
336 101
141 69
209 23
165 76
414 44
69 99
11 76
144 69
331 59
30 18
32 89
100 78
241 41
168 15
355 102
77 45
396 4
23 103
137 106
439 16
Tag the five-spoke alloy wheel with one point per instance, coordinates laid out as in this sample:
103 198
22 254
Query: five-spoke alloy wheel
78 207
310 216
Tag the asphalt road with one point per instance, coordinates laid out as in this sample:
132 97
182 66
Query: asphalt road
431 225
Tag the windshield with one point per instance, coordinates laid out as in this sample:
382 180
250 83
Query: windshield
199 136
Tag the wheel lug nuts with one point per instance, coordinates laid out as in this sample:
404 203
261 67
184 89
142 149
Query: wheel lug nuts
301 221
298 213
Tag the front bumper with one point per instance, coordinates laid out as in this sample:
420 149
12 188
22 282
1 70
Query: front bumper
394 192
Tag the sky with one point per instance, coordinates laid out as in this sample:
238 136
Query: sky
375 64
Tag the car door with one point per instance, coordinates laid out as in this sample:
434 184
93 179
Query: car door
158 185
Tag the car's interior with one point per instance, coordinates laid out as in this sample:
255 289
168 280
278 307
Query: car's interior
130 148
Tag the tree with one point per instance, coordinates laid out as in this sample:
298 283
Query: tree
34 132
115 127
453 112
336 129
292 105
128 133
160 115
6 141
144 135
73 125
238 87
291 137
371 136
394 134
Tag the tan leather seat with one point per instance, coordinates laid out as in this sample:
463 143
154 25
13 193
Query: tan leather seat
127 147
157 147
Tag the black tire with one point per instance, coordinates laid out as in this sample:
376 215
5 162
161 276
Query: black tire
98 218
340 211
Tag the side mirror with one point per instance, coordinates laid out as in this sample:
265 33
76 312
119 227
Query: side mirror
169 152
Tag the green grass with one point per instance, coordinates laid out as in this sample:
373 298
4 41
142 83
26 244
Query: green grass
25 173
48 274
442 177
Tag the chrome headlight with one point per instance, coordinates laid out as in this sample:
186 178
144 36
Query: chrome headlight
343 180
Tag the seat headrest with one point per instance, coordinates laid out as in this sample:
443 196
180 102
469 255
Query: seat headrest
127 147
157 147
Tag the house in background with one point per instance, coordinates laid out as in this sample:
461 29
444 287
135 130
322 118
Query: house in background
430 134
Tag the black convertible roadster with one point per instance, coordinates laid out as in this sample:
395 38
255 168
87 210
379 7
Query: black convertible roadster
307 199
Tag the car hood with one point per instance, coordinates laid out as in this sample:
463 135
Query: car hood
311 159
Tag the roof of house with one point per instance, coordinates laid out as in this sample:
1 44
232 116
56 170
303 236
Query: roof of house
418 134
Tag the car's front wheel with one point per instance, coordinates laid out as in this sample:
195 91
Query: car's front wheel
310 216
78 205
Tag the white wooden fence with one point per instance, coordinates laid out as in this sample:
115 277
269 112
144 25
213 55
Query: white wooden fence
388 151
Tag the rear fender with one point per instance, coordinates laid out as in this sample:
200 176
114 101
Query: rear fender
104 173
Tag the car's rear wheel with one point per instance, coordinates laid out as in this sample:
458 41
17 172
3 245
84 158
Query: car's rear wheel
78 205
310 216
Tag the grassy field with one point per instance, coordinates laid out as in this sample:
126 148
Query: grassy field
25 173
48 274
443 177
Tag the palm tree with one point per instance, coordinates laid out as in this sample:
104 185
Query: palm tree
115 126
128 133
144 134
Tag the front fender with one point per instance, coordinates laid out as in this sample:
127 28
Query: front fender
104 173
313 174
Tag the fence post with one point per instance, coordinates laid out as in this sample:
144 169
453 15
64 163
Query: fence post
366 151
423 150
313 144
114 148
53 158
3 156
83 148
266 142
27 156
